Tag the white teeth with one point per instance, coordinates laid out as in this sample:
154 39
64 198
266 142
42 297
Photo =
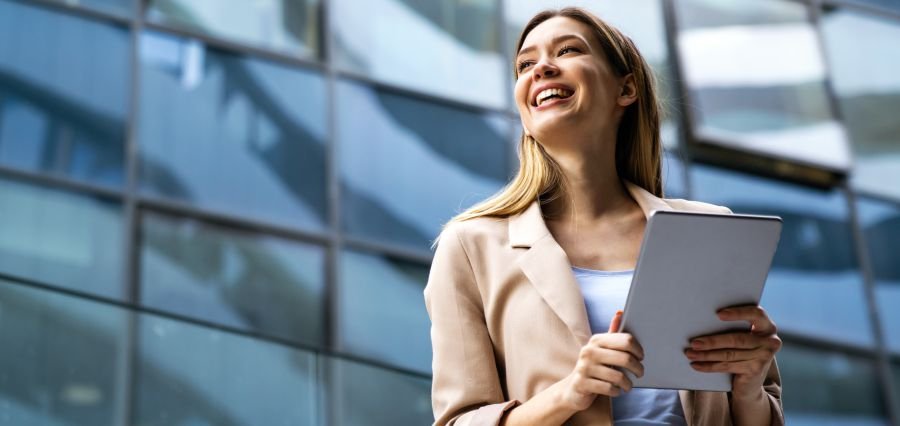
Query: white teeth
546 93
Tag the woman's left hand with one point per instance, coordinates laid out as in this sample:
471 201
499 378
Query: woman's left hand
747 355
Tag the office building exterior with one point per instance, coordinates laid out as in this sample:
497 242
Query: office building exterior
220 212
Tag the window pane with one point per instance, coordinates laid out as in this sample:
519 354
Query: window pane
64 85
673 176
382 310
251 281
867 83
756 75
815 285
447 48
60 238
895 370
829 388
880 222
190 375
288 26
60 358
231 133
121 8
407 166
370 396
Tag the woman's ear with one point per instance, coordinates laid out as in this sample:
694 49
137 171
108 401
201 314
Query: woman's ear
628 94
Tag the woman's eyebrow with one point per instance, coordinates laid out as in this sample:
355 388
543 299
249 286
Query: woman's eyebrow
555 40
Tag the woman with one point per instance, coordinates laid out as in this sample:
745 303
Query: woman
513 340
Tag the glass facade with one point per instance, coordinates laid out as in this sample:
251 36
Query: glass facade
220 212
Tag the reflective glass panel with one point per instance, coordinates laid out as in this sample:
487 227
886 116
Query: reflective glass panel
231 133
864 54
407 166
246 280
288 26
880 223
895 376
370 396
61 359
640 20
382 311
64 85
815 286
188 375
62 239
449 48
756 77
824 387
673 175
121 8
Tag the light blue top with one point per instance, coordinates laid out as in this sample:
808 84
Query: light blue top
605 293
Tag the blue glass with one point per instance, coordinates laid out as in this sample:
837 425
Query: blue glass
369 396
231 133
823 387
61 358
880 223
407 166
449 48
61 239
867 84
288 26
382 313
673 175
187 375
251 281
815 286
742 101
122 8
64 85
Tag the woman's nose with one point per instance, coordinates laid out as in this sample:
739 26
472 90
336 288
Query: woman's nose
545 69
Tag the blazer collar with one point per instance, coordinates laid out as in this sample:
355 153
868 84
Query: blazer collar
548 268
528 227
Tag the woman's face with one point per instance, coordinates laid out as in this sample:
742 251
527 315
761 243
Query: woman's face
564 83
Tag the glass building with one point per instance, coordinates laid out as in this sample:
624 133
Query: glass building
219 212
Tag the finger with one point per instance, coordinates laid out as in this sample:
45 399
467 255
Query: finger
759 321
728 355
600 387
614 358
749 367
616 323
611 375
739 340
620 342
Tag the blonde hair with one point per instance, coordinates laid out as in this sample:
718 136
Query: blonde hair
638 149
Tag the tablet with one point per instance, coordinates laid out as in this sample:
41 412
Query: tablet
690 266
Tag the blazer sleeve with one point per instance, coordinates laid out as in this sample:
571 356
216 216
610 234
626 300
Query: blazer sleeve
466 387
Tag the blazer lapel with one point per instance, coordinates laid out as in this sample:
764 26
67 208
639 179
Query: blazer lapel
548 268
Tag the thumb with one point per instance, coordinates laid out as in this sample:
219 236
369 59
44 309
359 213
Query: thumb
616 322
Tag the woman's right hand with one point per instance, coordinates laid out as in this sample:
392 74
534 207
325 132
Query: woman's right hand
599 368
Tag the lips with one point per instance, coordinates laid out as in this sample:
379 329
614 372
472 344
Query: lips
545 93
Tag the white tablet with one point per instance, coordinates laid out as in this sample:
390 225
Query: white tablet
691 265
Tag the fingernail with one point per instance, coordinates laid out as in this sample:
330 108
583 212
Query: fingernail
697 344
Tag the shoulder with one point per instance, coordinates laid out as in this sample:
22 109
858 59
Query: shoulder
696 206
481 230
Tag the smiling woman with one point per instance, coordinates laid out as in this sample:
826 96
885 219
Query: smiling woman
517 281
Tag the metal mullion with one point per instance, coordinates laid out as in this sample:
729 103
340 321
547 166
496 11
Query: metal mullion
329 403
680 91
862 7
136 309
76 10
881 198
130 359
60 183
175 208
883 364
236 47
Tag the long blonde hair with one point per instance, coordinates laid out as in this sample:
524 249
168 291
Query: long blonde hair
638 149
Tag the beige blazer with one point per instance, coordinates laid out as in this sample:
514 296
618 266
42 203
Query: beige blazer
508 320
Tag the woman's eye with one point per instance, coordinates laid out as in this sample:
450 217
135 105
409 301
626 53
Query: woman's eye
567 49
524 64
